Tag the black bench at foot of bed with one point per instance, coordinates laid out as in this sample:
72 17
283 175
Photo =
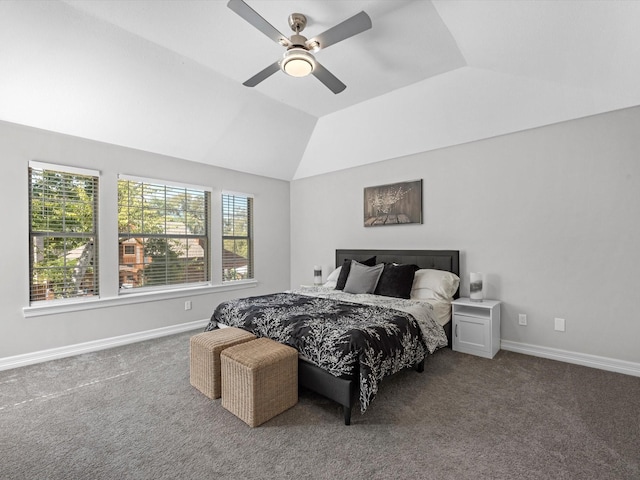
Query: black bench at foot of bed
341 390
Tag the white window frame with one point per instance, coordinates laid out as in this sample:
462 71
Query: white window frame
249 237
207 266
66 169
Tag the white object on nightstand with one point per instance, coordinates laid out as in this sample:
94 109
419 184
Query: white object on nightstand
476 327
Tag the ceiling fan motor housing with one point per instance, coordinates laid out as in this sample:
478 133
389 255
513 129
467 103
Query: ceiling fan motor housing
298 41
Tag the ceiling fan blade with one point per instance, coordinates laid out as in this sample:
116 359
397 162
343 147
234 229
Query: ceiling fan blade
251 16
262 75
328 78
350 27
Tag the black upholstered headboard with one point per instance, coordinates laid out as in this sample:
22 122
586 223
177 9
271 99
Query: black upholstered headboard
448 260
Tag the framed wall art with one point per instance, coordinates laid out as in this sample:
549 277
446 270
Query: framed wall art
393 204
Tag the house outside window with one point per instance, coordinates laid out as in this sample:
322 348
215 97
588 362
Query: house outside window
163 232
63 232
237 237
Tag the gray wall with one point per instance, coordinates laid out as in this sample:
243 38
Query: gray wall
18 145
550 216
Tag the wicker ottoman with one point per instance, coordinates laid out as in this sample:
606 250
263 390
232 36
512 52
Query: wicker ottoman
205 351
259 380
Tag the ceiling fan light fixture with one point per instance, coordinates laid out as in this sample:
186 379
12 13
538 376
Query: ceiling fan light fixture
297 62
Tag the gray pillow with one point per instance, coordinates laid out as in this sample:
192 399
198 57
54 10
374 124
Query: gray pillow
363 279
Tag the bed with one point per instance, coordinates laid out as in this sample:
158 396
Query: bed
349 340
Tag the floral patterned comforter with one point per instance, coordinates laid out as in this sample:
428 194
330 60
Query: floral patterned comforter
376 337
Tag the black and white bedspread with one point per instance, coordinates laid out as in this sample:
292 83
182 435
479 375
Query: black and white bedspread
377 337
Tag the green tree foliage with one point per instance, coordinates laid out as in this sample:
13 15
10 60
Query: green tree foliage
166 266
140 208
235 225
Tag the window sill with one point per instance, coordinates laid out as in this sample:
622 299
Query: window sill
132 298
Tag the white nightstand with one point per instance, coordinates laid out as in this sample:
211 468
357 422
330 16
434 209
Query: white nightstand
476 327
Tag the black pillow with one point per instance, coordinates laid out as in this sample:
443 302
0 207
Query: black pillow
396 280
346 268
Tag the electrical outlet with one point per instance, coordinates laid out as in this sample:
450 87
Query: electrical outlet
187 305
522 319
559 324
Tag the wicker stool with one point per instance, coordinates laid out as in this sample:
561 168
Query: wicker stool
205 351
259 380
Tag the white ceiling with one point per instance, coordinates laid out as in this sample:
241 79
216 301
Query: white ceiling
166 76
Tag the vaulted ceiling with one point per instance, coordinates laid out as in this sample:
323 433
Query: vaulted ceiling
166 76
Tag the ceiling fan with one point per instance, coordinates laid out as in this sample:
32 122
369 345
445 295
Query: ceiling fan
298 60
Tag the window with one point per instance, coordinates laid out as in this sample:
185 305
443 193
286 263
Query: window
163 234
63 219
237 232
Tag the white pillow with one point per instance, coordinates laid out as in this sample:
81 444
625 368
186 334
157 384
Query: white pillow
330 284
333 276
443 284
423 294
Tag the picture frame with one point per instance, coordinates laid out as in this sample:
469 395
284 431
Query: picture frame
393 204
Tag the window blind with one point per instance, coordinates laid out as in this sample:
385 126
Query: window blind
237 241
163 234
63 241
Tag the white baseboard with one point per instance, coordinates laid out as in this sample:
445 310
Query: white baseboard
93 346
594 361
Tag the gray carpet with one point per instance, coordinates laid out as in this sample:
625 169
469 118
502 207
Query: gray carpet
130 413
